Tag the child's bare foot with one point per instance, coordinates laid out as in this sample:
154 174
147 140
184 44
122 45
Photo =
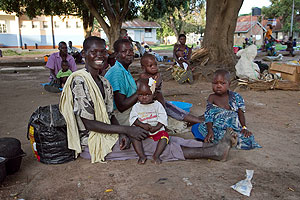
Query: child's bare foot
156 160
142 160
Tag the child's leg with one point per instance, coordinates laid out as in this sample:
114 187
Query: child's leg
138 147
161 145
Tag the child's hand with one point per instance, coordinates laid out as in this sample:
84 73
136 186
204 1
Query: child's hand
246 132
146 127
209 137
153 129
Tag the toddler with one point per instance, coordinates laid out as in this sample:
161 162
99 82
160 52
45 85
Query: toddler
150 71
225 109
63 73
151 116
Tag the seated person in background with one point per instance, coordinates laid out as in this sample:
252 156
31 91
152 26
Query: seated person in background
73 51
54 64
124 35
225 109
151 116
63 73
150 71
180 45
289 46
181 70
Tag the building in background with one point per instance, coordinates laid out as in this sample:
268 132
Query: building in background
246 27
139 30
43 32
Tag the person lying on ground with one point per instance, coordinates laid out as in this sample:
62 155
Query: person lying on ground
150 115
63 73
55 59
75 52
182 71
225 109
150 71
92 129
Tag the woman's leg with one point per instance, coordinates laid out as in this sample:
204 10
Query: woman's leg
216 152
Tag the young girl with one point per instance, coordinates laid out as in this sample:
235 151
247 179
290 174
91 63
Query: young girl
151 116
149 65
225 109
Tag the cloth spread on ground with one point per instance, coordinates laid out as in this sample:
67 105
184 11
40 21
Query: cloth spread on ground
99 144
173 150
61 74
223 119
150 114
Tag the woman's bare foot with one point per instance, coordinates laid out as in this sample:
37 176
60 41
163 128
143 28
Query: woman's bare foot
156 160
142 160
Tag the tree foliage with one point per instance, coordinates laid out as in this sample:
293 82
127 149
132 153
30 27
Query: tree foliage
179 15
282 9
109 13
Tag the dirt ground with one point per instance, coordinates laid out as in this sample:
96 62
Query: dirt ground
273 116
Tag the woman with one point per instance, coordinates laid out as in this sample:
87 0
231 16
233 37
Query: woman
87 105
180 45
182 71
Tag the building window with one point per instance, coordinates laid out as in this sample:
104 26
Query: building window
35 24
78 25
45 24
3 28
68 25
148 32
56 24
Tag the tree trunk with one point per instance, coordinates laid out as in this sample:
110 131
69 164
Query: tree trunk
172 25
221 18
88 22
114 33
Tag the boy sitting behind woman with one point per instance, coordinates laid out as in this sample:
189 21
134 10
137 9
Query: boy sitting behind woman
63 73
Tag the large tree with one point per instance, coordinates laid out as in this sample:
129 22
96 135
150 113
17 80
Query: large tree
221 18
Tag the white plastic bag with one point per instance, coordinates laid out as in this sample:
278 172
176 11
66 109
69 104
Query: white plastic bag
244 186
246 68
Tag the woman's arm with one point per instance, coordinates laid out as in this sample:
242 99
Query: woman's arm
122 102
131 131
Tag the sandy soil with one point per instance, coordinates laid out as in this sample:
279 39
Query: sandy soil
273 116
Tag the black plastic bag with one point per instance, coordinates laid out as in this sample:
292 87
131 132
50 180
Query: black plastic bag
49 129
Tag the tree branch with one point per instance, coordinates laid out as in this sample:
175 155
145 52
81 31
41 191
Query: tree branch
110 12
125 10
99 18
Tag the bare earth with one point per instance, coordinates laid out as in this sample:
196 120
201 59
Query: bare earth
273 117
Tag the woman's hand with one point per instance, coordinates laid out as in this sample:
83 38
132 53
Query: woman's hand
209 137
136 133
124 142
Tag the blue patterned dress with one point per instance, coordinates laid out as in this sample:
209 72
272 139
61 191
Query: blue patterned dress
223 119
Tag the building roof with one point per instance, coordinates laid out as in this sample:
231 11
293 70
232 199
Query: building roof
138 23
245 23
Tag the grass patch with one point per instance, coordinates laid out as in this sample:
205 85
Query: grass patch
164 47
10 52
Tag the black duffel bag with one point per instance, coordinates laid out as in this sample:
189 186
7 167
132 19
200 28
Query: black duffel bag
47 131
